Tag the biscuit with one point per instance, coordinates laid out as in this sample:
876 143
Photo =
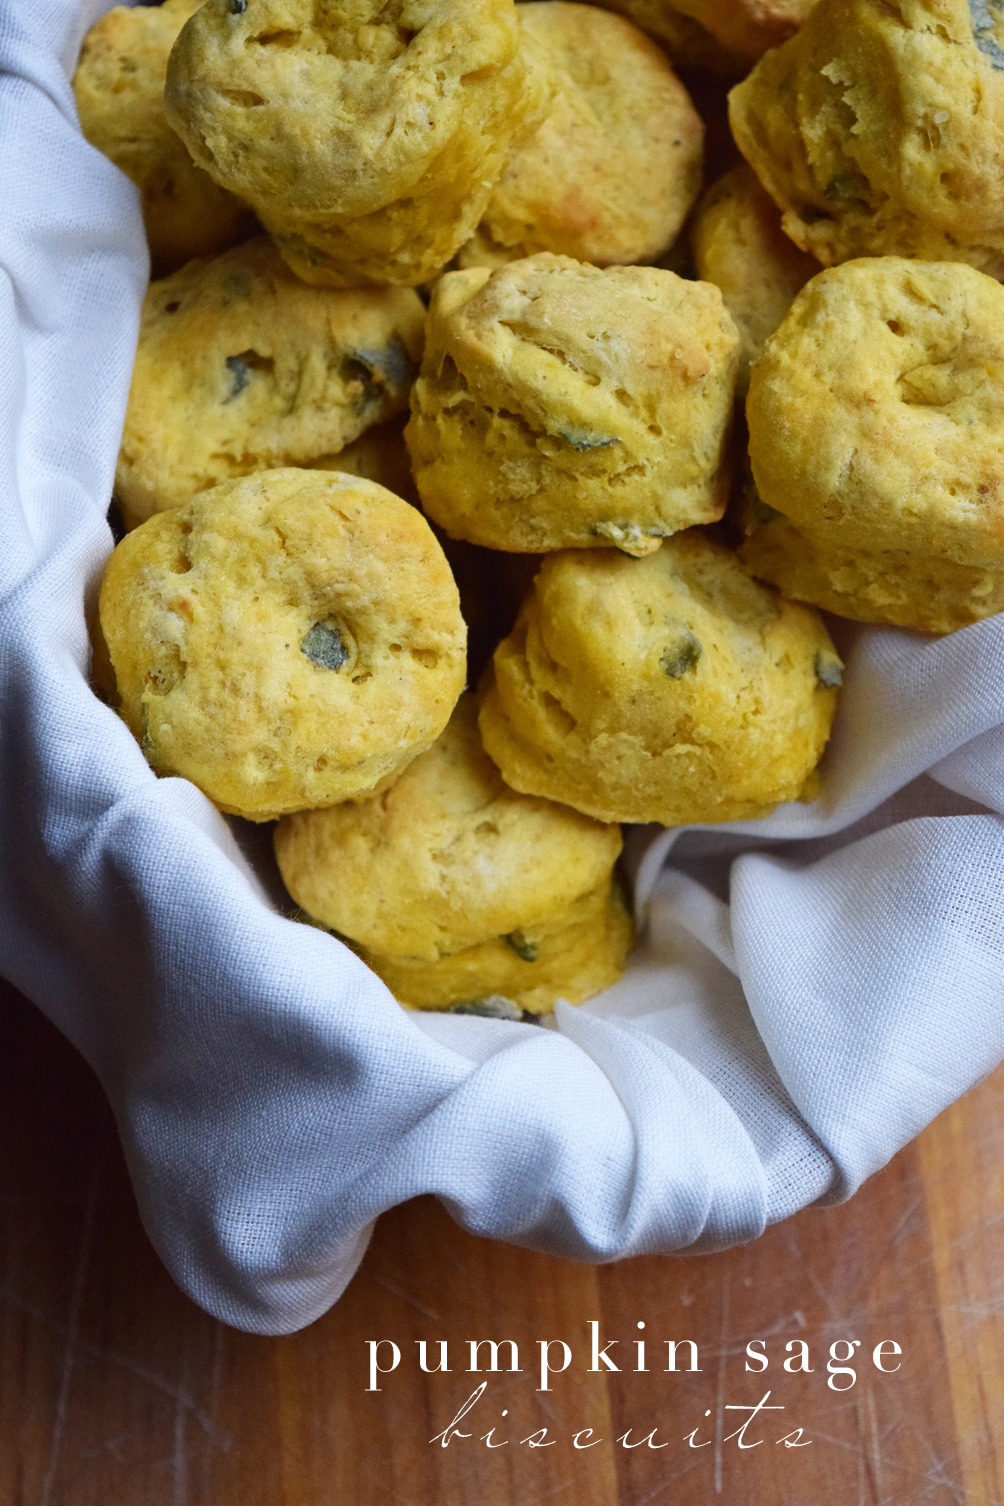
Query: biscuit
241 367
119 87
368 136
739 245
285 641
876 418
672 688
450 875
612 171
559 405
718 36
879 130
572 960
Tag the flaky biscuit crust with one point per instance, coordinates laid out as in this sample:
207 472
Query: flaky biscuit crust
879 130
446 859
368 136
285 641
876 418
241 367
560 405
671 689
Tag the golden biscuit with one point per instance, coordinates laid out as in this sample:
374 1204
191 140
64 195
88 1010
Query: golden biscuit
876 418
719 36
285 641
612 171
240 367
574 959
367 135
740 247
879 130
560 405
119 86
672 688
449 871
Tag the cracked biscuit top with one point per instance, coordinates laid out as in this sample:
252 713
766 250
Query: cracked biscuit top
367 135
611 172
876 419
879 130
560 405
673 688
285 641
240 367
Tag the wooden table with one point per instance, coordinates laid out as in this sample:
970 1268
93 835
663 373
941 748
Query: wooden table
115 1390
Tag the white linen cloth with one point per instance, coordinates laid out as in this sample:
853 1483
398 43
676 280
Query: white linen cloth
813 990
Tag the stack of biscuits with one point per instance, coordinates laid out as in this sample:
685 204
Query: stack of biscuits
442 550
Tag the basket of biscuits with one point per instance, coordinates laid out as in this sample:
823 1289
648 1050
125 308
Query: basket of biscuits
558 514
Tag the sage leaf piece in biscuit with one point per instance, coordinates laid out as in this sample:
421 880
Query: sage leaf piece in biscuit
682 655
323 646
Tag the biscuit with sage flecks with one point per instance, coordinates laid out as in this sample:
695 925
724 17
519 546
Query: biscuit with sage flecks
456 889
878 130
876 419
560 405
241 367
673 688
285 641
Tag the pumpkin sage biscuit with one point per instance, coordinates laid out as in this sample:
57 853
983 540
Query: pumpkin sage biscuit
876 418
879 130
285 641
673 688
574 959
119 87
740 247
459 888
612 171
560 405
367 134
241 367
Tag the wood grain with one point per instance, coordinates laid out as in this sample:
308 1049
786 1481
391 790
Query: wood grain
114 1388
